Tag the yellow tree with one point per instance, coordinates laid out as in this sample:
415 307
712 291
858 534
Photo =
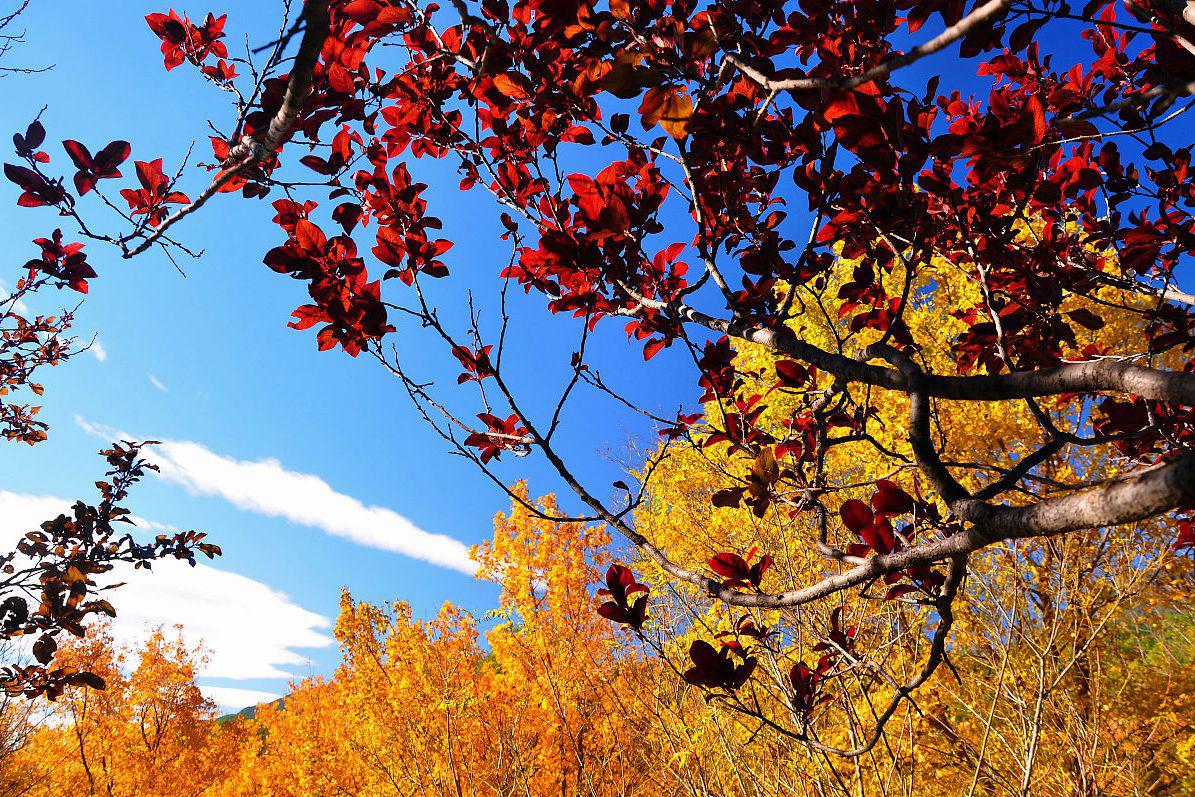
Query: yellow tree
150 731
20 719
1032 649
423 706
302 746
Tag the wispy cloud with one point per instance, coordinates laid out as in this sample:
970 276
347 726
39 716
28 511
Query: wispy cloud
97 350
250 629
267 488
153 380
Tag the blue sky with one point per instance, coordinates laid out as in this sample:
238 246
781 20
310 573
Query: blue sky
310 469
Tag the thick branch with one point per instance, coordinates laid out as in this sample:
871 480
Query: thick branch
1129 499
1084 377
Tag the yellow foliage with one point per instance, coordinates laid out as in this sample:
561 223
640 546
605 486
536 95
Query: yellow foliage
149 732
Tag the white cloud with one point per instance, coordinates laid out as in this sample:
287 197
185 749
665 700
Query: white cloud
21 513
97 350
144 524
5 297
267 488
249 629
153 380
231 698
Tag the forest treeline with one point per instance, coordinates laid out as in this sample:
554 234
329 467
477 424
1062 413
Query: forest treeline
551 699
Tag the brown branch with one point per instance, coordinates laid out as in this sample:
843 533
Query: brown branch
1166 293
1171 90
920 438
1138 496
249 152
982 14
1082 377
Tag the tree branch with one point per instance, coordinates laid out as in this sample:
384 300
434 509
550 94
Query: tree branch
981 15
249 152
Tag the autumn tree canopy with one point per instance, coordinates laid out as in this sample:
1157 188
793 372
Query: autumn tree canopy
873 227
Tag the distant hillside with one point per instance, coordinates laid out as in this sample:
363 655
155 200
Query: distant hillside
248 712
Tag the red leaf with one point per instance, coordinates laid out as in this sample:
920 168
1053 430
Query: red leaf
1085 318
792 374
890 499
899 590
856 515
730 566
310 238
653 347
730 497
79 154
1037 115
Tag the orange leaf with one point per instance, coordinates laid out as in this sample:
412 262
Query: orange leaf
677 113
513 85
1038 113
